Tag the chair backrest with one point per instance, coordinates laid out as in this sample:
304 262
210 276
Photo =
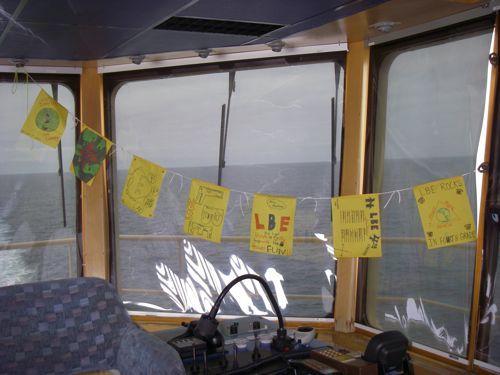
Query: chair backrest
389 350
60 326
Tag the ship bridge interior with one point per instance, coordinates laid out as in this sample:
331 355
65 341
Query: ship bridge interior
343 153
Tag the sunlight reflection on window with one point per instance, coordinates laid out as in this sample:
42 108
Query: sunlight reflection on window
416 314
329 248
203 283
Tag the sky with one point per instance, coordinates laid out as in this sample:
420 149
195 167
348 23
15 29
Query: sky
435 100
277 115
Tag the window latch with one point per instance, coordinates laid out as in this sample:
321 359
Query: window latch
493 58
483 167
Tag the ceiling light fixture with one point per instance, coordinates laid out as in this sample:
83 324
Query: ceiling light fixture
204 52
276 45
384 26
19 63
137 60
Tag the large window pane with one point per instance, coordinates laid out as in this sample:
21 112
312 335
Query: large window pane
430 104
35 244
279 141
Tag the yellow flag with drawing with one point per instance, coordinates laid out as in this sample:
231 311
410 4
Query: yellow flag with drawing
90 151
445 212
46 121
272 224
356 226
205 210
143 186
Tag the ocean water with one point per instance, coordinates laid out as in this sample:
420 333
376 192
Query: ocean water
425 293
31 210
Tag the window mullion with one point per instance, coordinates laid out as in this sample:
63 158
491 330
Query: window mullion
486 257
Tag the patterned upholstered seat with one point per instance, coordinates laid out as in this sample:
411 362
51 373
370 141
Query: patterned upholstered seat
74 325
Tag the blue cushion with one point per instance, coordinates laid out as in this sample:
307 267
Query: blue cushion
73 325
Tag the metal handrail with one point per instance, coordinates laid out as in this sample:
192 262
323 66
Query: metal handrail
161 292
177 237
174 237
36 244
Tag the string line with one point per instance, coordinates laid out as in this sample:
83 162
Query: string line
182 177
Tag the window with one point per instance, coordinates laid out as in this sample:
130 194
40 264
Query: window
429 114
37 225
279 142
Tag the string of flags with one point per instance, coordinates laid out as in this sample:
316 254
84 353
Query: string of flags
90 151
443 205
142 186
46 120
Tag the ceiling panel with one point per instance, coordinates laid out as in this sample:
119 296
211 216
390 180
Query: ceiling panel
106 13
97 29
341 10
44 41
2 25
8 6
277 11
168 40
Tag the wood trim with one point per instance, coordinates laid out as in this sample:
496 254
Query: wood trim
478 267
477 369
171 320
95 228
422 362
154 323
353 156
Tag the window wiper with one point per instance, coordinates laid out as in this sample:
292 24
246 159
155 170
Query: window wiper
59 153
334 103
225 125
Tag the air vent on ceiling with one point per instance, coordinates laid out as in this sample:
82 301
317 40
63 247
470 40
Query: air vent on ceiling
202 25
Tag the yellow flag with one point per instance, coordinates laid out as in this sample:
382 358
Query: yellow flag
445 212
356 226
272 224
205 210
46 121
143 186
90 151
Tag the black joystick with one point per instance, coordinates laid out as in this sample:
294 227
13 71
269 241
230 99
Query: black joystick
282 342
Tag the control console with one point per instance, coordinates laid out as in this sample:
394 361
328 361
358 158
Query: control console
243 346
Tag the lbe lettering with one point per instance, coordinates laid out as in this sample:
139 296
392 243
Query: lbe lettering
284 221
427 190
443 186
